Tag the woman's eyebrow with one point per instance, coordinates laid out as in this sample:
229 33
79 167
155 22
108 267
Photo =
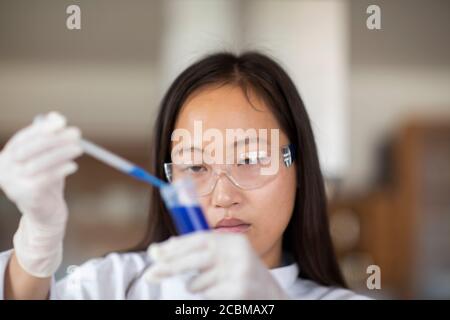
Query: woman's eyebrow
190 149
236 143
249 140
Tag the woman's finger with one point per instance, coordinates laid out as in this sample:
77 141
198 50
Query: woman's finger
179 246
57 174
45 142
53 158
203 281
198 261
23 135
50 123
223 291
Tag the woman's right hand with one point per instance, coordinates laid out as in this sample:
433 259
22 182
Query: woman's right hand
33 166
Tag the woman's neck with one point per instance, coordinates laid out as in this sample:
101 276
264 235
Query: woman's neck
273 257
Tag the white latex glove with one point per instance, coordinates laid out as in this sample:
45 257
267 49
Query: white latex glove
225 266
33 167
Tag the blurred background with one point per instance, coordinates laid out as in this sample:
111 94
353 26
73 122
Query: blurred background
379 101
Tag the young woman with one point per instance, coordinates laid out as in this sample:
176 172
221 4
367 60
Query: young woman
269 237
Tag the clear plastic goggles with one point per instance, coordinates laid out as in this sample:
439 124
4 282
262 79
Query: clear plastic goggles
249 171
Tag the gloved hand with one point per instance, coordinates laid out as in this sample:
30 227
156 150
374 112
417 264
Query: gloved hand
33 167
225 264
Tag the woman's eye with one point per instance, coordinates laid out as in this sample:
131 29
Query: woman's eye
195 169
254 161
248 161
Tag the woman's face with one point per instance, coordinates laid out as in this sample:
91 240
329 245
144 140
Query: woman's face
264 211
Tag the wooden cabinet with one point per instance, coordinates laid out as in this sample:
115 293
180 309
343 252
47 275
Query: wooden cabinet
404 223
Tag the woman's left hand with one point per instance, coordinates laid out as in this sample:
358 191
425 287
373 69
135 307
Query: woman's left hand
225 266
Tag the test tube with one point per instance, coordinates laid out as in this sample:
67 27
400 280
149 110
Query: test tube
182 202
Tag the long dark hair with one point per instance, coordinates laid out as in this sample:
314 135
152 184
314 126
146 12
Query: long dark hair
307 235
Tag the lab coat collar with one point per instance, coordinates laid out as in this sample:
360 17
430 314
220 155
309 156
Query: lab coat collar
287 274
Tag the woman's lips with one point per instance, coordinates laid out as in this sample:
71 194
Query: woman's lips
231 225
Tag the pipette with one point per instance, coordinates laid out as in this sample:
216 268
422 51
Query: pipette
120 163
116 161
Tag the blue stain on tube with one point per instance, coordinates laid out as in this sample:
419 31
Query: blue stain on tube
180 197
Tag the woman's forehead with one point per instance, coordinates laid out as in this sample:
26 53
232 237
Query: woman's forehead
225 107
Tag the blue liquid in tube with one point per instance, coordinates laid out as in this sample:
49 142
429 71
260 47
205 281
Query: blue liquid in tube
181 199
188 219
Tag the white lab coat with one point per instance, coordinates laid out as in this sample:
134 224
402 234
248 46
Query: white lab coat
108 277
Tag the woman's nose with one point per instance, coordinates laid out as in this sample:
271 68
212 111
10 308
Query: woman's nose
225 194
